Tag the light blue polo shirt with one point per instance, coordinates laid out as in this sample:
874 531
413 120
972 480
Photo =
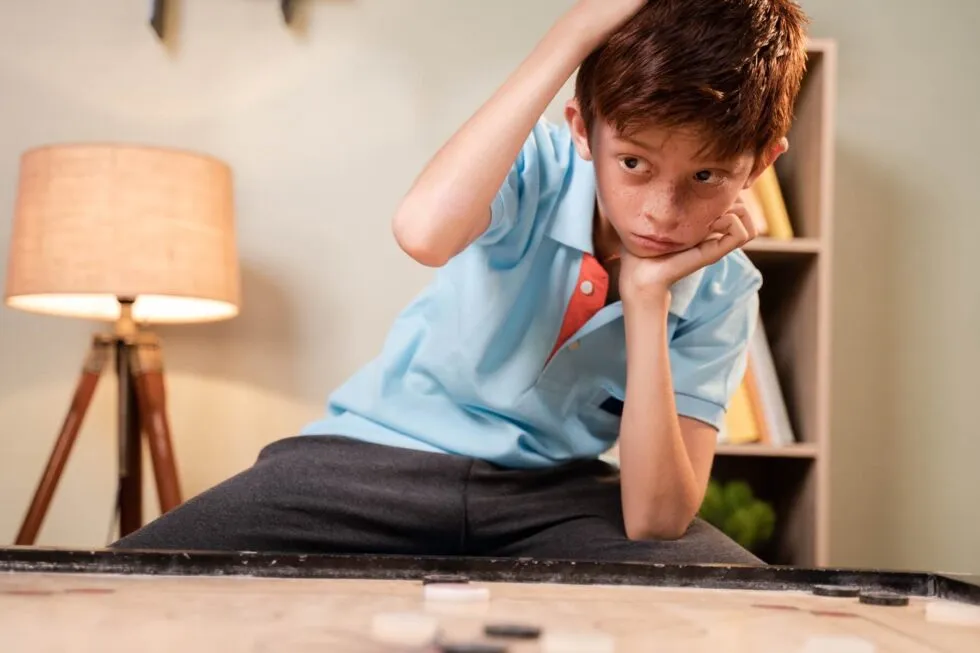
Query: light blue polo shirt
467 368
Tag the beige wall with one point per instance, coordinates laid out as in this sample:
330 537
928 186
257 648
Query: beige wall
326 129
907 309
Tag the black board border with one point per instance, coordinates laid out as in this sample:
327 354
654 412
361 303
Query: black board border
965 589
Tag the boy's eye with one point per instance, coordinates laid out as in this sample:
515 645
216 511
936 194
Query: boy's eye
708 177
632 164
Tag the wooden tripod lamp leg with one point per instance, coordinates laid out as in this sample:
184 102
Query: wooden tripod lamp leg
92 370
129 501
148 370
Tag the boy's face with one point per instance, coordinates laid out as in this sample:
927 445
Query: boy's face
655 190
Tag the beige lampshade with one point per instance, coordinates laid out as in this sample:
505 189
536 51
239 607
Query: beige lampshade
94 223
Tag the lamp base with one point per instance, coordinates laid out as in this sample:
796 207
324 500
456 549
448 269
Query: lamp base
142 410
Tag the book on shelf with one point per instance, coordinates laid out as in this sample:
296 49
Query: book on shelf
757 413
766 205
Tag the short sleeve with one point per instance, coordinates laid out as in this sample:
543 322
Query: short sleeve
709 350
533 181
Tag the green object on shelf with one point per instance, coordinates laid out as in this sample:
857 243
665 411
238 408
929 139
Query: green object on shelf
734 510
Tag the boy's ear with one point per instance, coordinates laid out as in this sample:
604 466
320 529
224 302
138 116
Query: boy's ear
576 124
768 158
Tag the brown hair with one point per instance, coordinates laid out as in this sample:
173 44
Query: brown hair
729 68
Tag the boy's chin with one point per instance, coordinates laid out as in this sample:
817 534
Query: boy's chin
648 255
653 252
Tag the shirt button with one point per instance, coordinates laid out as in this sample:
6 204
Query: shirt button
587 288
575 345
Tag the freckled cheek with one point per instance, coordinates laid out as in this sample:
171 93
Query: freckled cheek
624 207
621 204
696 224
699 226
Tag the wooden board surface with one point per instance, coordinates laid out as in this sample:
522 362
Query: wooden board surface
68 612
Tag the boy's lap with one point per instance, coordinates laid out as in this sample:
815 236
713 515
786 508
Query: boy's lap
331 495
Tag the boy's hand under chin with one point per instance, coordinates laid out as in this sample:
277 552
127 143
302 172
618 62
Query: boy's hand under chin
647 281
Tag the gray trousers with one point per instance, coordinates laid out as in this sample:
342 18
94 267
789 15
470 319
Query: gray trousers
334 495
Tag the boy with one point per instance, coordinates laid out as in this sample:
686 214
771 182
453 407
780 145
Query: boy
590 291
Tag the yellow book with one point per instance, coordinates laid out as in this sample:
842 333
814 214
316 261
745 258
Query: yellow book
773 204
741 425
755 403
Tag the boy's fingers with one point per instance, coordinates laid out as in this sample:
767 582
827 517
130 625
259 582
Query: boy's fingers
742 212
733 231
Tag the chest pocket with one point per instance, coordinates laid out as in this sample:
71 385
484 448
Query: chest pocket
601 412
613 406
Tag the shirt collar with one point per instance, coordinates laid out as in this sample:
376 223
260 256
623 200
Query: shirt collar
572 222
572 227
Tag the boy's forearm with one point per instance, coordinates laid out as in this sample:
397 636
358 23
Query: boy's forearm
659 486
449 204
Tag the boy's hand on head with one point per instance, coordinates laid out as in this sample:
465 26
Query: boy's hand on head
648 280
609 14
449 206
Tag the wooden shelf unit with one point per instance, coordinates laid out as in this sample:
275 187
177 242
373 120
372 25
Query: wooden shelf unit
795 307
805 450
761 247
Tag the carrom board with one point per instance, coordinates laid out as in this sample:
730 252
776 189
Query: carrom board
190 602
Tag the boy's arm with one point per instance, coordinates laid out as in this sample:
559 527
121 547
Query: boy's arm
665 459
448 206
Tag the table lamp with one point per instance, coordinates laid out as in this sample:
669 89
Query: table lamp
130 235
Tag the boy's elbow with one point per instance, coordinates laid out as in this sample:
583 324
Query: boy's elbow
650 532
646 527
415 239
421 251
433 237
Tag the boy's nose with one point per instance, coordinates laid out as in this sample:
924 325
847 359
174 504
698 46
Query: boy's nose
662 209
664 220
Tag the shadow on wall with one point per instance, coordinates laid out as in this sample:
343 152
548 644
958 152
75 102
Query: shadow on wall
866 296
259 347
